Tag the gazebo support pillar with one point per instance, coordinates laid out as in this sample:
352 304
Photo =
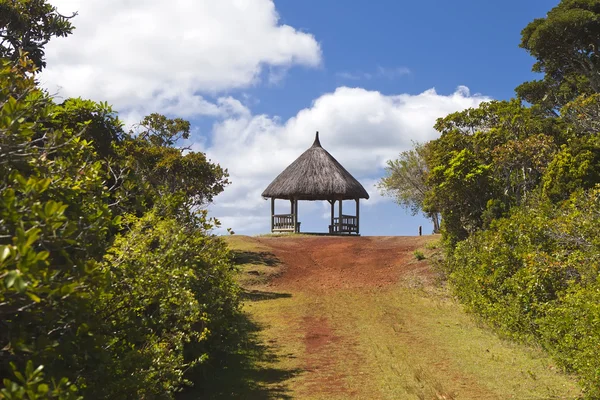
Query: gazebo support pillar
295 206
332 202
340 217
357 216
272 214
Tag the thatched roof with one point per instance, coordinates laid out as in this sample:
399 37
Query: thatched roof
315 175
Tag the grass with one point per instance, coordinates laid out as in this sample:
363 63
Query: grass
419 255
405 341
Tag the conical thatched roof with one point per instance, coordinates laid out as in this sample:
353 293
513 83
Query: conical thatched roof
315 175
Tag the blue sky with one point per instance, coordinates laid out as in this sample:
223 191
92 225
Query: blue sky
257 78
443 43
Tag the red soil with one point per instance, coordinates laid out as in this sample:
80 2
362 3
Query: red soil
321 263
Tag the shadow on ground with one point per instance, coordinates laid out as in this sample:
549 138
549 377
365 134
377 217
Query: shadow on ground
258 295
256 258
243 374
246 372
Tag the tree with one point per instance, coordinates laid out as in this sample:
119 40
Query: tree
487 160
167 169
566 45
406 182
83 267
27 26
110 277
575 167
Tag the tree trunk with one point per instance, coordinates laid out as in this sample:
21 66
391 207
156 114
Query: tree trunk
435 217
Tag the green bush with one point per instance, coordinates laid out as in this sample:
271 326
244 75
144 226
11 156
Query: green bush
163 307
419 255
31 385
107 279
535 275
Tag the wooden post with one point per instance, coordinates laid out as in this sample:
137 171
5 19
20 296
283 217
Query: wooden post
296 216
340 219
332 202
272 213
420 230
293 216
357 216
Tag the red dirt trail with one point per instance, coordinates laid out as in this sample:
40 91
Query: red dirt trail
322 263
334 360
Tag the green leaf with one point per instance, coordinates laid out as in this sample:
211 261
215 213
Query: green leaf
10 278
50 208
33 297
20 284
38 370
4 252
29 368
43 389
32 235
19 376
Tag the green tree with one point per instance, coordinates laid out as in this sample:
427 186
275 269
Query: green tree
27 26
487 160
566 46
54 226
83 266
166 168
110 277
406 182
576 166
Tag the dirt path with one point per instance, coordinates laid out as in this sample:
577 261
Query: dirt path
362 318
326 263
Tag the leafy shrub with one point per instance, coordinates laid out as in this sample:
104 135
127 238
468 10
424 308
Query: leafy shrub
570 330
535 275
54 227
106 277
419 255
31 385
164 307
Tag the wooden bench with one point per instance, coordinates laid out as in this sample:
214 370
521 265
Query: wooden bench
349 224
285 223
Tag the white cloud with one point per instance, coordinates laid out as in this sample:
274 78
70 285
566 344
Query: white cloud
362 129
380 72
147 55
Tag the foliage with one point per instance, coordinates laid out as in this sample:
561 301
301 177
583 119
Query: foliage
419 255
31 385
157 322
406 182
536 275
565 45
108 278
26 26
575 166
54 225
487 160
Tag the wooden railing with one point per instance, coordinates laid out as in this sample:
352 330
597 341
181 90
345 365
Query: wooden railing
349 224
284 223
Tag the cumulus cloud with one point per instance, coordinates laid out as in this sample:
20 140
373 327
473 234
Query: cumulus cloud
147 55
362 129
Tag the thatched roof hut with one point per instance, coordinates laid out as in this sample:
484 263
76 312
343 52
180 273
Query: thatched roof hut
315 175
